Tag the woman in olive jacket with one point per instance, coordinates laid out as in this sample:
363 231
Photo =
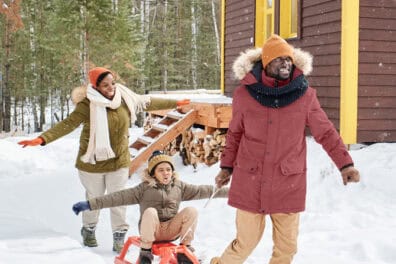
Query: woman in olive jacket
106 110
159 197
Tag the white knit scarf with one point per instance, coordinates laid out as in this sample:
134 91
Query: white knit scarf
99 147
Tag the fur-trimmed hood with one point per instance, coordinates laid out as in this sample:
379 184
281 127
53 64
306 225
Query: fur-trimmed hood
246 60
78 94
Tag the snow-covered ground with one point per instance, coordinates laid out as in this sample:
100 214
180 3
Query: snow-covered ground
342 224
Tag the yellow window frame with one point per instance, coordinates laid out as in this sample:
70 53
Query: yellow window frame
265 18
288 19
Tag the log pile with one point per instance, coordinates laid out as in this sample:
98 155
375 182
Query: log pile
198 147
195 145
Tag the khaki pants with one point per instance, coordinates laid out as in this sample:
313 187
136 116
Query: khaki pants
250 228
183 225
96 184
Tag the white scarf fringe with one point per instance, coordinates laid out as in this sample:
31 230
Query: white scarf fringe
99 147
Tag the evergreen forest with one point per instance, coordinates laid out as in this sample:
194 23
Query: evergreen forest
48 46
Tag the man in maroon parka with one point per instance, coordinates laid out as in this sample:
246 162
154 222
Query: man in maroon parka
266 151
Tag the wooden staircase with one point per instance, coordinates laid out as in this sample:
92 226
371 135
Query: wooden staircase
159 136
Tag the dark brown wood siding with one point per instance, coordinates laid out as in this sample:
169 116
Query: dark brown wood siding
320 34
377 71
320 30
239 36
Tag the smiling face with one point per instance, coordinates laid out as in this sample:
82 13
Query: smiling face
163 172
107 86
280 68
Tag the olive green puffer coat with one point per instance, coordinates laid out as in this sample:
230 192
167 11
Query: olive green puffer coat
118 122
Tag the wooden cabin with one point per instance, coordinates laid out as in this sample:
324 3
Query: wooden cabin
354 47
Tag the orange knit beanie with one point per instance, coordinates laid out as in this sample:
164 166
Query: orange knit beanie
95 73
276 47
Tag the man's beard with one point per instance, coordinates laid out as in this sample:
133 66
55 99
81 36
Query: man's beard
278 77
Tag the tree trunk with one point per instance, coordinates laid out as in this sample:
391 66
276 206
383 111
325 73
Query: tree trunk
194 33
13 23
67 102
84 55
42 102
23 114
33 68
52 110
15 110
115 6
6 97
62 101
165 55
1 100
216 30
144 30
36 127
42 72
178 27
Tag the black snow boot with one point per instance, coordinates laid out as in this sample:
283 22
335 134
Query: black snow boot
145 256
183 259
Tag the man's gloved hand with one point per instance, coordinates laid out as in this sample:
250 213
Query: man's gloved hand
81 206
32 142
183 102
350 174
223 177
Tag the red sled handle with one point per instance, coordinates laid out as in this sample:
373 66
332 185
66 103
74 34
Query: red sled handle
167 251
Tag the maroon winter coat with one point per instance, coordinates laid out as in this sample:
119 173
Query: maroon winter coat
267 150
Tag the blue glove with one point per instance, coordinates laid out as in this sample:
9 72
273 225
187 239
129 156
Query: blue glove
81 206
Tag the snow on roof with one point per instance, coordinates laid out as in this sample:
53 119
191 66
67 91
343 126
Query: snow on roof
199 95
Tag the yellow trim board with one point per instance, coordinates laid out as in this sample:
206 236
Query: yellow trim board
259 24
349 70
264 22
287 18
222 68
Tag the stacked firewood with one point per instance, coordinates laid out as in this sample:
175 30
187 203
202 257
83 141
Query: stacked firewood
196 147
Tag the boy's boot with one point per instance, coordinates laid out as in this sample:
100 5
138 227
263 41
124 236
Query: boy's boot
88 235
118 240
145 256
182 258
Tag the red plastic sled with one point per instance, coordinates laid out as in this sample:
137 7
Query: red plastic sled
165 250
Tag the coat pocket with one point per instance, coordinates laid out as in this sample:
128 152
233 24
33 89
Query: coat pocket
247 165
294 166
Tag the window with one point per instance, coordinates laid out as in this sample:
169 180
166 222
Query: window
268 21
288 19
264 20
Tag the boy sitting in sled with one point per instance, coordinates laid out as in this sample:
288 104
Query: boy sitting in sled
159 197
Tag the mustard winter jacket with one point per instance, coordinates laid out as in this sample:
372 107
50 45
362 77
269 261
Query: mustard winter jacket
118 122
